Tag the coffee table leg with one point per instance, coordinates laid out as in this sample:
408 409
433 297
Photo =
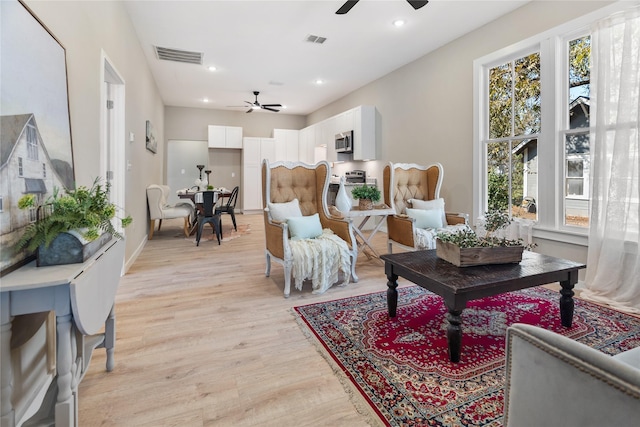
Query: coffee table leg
392 294
454 334
566 303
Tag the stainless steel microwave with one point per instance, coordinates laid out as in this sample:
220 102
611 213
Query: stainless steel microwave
344 142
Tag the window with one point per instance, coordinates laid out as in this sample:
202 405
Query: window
532 129
1 204
575 131
513 124
20 167
44 170
575 177
32 142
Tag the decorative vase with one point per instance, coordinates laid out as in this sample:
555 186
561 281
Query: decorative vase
343 201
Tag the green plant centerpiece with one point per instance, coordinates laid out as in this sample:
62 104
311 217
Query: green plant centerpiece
367 195
85 213
465 248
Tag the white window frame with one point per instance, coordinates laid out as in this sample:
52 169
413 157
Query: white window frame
554 87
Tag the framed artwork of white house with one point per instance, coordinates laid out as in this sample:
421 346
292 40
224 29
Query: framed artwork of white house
35 151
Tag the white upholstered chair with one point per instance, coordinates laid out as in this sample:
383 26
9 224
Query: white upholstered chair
552 380
159 209
284 183
412 186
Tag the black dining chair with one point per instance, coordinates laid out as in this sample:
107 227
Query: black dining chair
230 207
209 215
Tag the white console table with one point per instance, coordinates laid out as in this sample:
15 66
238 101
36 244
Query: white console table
82 297
364 241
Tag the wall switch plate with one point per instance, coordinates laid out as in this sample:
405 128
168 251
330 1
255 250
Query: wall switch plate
132 137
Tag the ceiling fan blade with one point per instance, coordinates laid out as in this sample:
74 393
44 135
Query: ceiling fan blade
417 4
346 7
272 105
249 110
270 109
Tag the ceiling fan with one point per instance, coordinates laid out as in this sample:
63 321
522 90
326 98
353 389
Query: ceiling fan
346 7
257 106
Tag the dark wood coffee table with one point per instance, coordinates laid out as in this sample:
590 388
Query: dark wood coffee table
457 285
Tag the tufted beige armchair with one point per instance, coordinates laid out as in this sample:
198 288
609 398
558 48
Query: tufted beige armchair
284 181
403 182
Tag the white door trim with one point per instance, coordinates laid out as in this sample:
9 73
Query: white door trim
112 133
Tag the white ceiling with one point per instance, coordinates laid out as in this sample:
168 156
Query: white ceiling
261 45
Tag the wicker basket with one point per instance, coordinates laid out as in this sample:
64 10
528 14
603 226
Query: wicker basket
365 204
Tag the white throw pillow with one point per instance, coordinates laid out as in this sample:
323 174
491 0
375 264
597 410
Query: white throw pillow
304 227
426 218
281 211
436 204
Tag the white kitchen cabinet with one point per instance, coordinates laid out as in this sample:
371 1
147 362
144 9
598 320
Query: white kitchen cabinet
307 144
346 121
268 149
254 150
225 136
287 144
364 133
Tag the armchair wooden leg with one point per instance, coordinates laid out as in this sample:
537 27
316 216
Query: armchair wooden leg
287 279
151 227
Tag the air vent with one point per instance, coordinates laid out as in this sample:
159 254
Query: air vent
316 39
177 55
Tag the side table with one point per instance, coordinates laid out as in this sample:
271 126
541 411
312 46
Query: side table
364 241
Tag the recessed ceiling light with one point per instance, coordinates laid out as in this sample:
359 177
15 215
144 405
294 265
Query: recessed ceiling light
205 99
398 23
211 68
319 81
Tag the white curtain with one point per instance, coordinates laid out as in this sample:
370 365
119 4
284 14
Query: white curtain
613 261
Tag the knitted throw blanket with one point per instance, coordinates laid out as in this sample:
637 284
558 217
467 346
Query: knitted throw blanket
320 259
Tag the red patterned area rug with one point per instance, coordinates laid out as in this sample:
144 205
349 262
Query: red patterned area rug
401 366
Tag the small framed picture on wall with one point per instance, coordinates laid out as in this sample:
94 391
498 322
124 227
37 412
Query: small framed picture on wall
152 144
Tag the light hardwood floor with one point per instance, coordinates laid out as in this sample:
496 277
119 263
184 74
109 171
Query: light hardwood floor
205 339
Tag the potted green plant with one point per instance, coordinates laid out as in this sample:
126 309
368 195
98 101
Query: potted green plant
367 195
68 222
465 248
